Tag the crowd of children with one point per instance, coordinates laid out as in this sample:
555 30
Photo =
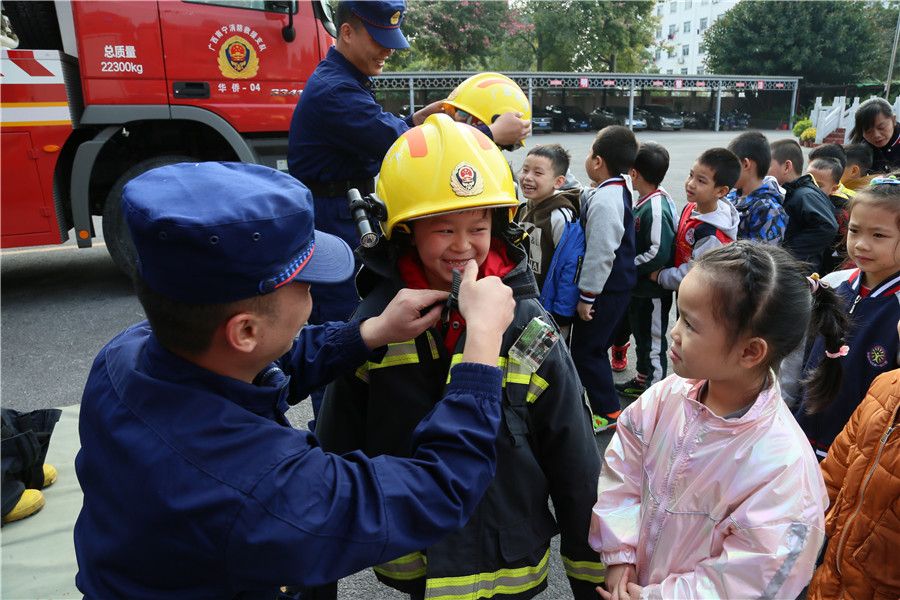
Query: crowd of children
739 306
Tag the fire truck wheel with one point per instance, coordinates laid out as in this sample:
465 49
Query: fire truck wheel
115 231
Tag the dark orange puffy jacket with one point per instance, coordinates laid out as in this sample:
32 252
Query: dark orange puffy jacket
862 473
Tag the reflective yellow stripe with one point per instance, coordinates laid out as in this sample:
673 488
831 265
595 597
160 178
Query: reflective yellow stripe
537 386
432 345
457 358
409 566
401 353
363 372
487 585
585 570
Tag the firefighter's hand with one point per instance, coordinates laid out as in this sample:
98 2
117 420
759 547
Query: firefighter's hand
585 311
410 313
509 129
426 111
488 307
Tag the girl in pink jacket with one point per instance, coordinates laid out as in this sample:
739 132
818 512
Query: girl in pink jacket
710 489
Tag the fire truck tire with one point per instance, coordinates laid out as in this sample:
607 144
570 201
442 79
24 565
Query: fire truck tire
115 231
35 24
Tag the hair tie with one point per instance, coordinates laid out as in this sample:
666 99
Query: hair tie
813 282
842 351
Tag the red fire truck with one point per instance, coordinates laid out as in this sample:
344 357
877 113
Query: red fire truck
100 91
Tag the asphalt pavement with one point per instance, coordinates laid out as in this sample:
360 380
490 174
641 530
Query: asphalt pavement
59 305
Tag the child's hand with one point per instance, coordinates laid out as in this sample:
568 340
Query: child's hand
402 319
654 276
585 311
634 591
488 307
617 578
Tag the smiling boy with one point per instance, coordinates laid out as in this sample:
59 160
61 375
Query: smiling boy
556 239
448 198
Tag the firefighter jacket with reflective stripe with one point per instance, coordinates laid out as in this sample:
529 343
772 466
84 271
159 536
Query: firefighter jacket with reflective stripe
545 449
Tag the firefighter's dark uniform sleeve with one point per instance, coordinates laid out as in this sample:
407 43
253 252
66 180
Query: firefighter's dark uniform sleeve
323 516
341 424
567 451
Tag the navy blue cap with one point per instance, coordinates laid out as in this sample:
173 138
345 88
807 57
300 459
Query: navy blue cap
382 19
219 232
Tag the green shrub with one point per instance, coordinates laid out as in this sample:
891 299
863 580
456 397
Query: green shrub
801 126
808 135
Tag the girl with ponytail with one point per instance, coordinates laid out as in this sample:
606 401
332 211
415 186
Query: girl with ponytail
870 298
709 487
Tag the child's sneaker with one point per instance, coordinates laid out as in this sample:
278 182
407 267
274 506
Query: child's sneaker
619 358
30 502
634 387
605 422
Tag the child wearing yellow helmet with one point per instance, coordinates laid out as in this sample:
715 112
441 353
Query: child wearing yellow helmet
495 104
447 197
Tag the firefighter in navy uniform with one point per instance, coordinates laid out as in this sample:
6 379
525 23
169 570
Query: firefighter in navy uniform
339 133
445 185
195 485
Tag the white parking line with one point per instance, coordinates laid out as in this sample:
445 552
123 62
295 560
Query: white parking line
45 249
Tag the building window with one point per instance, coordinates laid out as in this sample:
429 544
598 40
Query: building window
701 70
673 7
684 71
703 24
672 30
659 10
687 3
704 2
686 50
671 52
658 32
658 54
687 26
668 71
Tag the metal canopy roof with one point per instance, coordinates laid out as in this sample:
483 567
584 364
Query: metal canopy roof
595 81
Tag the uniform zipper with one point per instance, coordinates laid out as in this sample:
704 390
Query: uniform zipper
862 494
855 302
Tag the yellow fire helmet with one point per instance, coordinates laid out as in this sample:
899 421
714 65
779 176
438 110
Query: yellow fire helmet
486 96
439 167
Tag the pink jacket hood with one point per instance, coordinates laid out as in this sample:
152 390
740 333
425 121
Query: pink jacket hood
707 506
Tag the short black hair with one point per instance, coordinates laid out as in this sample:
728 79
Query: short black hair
755 146
189 328
826 163
788 150
652 162
725 165
865 116
617 146
557 155
860 155
834 151
343 14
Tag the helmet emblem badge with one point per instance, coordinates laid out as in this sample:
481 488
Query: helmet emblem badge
466 181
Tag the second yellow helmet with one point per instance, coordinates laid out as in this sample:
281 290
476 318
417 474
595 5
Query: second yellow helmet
486 96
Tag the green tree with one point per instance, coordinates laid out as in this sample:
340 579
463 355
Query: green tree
587 35
884 22
454 35
823 42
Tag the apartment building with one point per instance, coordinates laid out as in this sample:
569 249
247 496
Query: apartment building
679 35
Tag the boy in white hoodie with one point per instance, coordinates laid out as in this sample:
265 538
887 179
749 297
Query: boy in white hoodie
707 221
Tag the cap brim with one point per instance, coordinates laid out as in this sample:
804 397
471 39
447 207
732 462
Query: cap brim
391 38
331 262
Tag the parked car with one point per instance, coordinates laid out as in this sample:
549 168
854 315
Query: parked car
541 121
696 119
662 117
569 118
621 112
601 117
